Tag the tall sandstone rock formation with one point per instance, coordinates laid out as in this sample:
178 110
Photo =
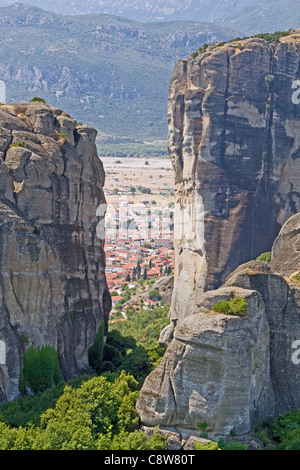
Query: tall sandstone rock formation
52 268
234 127
234 139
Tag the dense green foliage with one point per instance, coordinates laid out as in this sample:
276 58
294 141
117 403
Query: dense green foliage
144 326
123 354
41 369
231 445
286 429
133 345
235 306
28 409
96 415
281 433
92 412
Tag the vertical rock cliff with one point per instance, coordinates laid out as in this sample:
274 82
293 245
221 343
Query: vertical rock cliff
234 120
234 139
52 267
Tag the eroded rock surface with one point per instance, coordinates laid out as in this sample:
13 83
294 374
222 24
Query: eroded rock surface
228 370
234 124
234 127
216 369
52 266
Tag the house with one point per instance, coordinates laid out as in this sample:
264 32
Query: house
116 299
149 303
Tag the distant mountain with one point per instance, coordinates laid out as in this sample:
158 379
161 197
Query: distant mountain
141 10
248 16
104 70
264 16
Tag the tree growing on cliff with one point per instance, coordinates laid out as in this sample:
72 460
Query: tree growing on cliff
41 369
37 99
95 353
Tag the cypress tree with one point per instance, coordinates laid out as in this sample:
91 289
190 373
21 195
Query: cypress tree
95 353
41 369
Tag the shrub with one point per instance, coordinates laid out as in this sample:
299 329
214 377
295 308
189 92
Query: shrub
209 446
36 98
41 369
154 295
264 257
269 79
138 440
203 426
231 445
286 430
235 306
21 143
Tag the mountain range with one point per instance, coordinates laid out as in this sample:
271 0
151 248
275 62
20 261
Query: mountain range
107 71
249 16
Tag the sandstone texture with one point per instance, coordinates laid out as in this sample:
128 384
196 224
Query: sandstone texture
52 265
229 371
234 140
286 249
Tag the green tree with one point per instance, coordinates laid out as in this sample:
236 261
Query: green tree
41 369
37 99
154 294
95 353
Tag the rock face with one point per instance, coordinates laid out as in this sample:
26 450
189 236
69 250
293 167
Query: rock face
52 265
234 126
228 370
286 249
234 120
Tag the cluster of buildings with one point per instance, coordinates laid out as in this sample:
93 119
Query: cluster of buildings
139 245
129 260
